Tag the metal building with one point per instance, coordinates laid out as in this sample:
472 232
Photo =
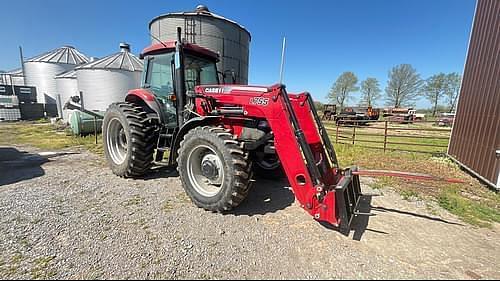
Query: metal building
67 87
475 139
214 32
40 71
108 80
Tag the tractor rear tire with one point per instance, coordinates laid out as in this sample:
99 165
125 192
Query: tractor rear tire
214 169
129 139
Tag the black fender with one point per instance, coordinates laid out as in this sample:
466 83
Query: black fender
188 126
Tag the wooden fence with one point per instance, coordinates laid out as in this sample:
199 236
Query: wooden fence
418 136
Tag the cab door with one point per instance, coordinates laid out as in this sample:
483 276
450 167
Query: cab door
159 80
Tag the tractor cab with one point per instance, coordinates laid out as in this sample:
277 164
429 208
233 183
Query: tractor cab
163 77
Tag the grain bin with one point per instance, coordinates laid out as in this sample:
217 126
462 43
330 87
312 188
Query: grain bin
13 77
108 80
202 27
41 70
67 87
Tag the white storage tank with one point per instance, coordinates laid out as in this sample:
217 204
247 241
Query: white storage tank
41 70
67 87
204 28
14 77
108 80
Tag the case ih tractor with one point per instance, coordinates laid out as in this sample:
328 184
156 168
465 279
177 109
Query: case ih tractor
218 135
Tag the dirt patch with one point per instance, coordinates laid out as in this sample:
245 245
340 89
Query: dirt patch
78 220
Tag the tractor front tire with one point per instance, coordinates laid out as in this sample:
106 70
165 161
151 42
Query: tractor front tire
214 170
129 139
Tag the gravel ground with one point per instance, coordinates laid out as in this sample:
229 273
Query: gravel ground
67 216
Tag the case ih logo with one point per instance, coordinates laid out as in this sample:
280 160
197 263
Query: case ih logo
214 90
259 101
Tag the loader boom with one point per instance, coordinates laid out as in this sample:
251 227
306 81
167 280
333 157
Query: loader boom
325 191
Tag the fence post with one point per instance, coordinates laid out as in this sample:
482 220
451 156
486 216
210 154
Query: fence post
337 134
353 134
385 136
95 129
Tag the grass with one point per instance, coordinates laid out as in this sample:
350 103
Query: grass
134 201
409 195
167 206
383 182
41 268
471 211
43 135
398 138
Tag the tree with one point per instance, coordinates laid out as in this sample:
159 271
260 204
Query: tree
319 105
453 81
434 89
370 90
345 84
404 85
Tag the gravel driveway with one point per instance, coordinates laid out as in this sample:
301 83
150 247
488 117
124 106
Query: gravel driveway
67 216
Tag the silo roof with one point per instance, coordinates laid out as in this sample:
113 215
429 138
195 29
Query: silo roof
200 12
15 72
68 74
123 60
62 55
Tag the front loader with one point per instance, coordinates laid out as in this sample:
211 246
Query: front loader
218 135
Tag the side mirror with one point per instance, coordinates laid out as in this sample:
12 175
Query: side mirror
233 75
222 77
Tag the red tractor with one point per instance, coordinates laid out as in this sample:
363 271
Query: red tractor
218 135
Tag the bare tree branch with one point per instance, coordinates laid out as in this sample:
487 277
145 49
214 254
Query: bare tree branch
345 84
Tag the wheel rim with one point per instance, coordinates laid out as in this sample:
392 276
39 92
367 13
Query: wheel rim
117 141
205 170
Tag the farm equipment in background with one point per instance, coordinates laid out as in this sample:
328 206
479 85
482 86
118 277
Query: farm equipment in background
373 113
445 119
399 115
358 115
329 112
218 135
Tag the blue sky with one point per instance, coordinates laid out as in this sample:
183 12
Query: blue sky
324 38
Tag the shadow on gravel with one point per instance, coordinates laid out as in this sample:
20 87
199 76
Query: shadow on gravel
382 209
360 223
158 172
265 197
16 166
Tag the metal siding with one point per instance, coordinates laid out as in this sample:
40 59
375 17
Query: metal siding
221 36
103 87
18 80
476 132
66 88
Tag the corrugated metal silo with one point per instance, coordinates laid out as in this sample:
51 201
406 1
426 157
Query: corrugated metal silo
13 77
214 32
67 87
41 70
108 80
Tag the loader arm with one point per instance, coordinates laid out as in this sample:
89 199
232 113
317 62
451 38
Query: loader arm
308 158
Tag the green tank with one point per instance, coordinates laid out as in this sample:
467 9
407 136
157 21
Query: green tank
83 124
